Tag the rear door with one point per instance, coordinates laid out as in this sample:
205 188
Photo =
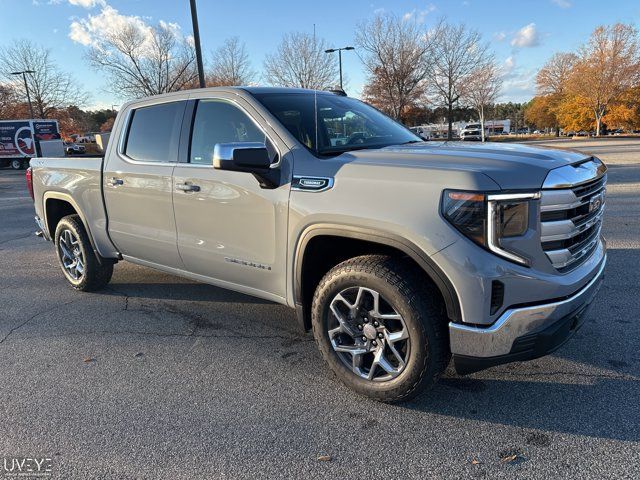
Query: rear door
138 182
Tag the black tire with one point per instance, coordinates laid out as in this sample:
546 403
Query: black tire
404 289
16 164
97 271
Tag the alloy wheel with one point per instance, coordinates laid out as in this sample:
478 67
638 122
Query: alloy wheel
368 335
71 255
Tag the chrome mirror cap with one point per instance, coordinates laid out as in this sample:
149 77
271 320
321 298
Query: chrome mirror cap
225 151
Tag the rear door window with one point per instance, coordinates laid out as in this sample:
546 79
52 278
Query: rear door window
154 132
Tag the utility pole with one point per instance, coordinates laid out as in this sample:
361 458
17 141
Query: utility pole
26 87
196 40
339 50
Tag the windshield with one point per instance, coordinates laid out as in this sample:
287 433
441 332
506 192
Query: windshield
342 123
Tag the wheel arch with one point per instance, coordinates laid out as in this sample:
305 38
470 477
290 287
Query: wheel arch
57 205
383 240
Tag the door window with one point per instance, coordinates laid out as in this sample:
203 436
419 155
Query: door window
154 132
217 121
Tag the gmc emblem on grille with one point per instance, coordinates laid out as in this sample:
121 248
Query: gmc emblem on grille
596 202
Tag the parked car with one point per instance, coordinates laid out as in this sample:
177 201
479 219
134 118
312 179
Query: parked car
422 132
471 132
74 148
397 253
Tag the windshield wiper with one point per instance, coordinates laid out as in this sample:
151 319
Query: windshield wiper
338 151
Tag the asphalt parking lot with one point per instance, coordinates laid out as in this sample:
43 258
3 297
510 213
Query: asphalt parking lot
160 377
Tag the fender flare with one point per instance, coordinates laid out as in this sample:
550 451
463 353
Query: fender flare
442 282
69 199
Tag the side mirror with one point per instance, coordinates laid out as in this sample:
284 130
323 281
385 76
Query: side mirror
249 157
241 157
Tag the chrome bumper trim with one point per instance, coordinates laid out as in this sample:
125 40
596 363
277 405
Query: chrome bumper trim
498 338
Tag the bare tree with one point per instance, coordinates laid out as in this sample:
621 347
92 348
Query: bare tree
50 88
8 101
482 89
609 65
397 57
551 83
552 77
457 53
300 61
145 61
230 65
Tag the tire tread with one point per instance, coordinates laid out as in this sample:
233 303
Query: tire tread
401 275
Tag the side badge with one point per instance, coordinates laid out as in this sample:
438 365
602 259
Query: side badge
311 184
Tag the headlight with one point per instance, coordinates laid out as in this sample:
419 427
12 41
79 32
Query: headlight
488 218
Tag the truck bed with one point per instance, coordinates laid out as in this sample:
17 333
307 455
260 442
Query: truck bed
74 181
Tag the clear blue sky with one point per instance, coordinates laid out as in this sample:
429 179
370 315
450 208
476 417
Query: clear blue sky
523 33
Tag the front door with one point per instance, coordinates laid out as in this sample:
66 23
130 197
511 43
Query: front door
138 184
229 229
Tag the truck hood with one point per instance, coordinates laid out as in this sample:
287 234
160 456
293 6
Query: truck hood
510 165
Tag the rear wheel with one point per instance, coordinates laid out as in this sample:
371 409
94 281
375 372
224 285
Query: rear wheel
83 268
379 328
16 164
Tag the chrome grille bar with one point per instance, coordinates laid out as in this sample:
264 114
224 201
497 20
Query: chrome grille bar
571 213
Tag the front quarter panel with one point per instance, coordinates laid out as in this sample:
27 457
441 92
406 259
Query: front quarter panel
391 200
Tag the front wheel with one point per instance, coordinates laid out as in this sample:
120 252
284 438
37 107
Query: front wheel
16 164
83 268
381 330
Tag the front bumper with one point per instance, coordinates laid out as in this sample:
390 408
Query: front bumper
522 333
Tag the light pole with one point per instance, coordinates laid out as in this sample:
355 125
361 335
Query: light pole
339 50
26 87
196 41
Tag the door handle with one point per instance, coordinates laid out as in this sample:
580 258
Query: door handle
187 187
116 181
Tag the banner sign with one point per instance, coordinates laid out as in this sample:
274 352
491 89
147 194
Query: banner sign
46 130
16 139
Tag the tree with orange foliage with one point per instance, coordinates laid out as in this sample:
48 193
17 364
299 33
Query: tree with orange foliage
574 115
626 112
608 66
541 112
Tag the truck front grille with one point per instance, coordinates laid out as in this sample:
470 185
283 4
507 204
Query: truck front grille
571 220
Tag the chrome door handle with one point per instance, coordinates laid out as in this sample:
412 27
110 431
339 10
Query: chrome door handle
116 181
187 187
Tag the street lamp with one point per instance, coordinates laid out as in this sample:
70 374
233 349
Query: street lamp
26 87
196 41
339 50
